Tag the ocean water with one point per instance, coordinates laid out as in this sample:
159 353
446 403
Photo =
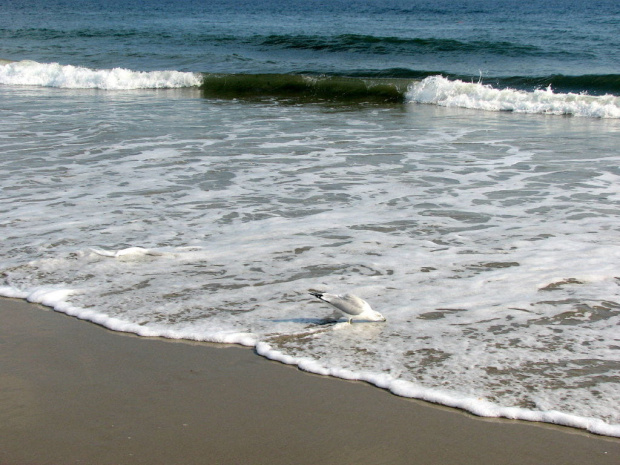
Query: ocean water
192 169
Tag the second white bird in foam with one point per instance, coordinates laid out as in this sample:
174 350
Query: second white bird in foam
351 306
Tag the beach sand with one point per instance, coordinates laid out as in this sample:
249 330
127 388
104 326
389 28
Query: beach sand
72 392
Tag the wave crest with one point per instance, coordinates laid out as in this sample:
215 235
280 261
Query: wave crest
31 73
438 90
435 90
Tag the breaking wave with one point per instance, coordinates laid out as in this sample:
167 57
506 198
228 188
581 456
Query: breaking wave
31 73
310 88
438 90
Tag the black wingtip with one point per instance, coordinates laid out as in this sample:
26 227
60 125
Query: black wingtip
318 295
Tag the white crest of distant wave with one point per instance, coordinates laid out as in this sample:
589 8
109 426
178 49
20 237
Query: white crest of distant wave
439 90
31 73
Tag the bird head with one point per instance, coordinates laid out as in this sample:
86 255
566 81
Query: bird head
376 316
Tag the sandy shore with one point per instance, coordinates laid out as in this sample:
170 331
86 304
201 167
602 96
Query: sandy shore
72 392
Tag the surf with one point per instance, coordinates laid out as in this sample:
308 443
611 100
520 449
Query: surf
373 88
437 90
31 73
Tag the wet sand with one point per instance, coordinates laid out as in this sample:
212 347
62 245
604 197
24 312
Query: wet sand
72 392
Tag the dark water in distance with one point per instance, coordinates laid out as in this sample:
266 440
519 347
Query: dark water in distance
570 45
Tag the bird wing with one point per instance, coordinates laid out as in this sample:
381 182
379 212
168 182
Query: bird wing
347 303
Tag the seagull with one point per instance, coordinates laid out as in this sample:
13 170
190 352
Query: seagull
351 306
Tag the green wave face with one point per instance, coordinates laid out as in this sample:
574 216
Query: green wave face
305 88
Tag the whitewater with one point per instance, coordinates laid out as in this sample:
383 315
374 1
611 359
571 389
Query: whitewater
435 90
488 239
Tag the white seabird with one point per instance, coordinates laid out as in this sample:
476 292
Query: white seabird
351 306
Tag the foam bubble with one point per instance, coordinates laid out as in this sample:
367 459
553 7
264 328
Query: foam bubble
489 243
441 91
31 73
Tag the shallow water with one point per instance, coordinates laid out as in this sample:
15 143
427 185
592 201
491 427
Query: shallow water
489 240
477 210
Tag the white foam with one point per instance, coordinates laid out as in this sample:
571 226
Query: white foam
438 90
58 299
31 73
127 252
476 406
13 293
489 243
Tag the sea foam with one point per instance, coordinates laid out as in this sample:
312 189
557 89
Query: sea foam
56 299
439 90
31 73
477 406
493 253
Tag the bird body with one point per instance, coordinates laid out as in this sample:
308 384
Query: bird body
351 306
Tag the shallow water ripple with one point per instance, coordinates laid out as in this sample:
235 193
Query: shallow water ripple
489 241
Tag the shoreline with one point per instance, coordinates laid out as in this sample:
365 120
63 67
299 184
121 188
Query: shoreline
74 392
